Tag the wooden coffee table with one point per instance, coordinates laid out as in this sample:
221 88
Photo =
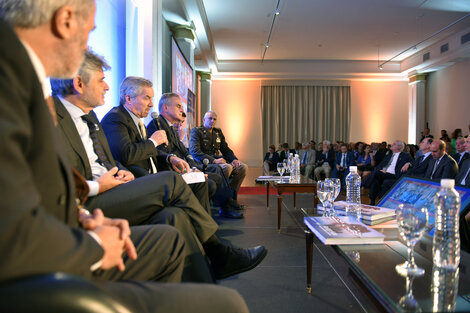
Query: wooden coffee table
306 185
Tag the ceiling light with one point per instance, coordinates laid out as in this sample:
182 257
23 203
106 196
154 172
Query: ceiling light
267 45
381 68
277 12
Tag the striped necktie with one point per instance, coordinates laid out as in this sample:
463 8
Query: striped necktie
97 146
143 133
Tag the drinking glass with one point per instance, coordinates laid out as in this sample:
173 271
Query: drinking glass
280 168
337 187
411 225
286 166
325 192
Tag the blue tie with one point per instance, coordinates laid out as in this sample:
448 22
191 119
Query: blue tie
304 158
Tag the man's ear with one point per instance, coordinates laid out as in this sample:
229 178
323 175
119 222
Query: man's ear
78 84
64 22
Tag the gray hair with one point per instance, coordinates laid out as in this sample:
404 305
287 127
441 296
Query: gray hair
213 112
132 86
33 13
91 64
401 144
164 100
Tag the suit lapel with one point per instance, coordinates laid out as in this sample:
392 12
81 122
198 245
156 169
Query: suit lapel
102 138
67 125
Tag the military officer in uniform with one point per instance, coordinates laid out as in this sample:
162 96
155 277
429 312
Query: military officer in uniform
207 141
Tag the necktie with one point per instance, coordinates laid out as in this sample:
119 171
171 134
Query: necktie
143 133
343 160
434 168
97 146
421 159
464 180
304 158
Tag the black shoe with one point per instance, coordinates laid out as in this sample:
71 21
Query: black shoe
239 260
230 212
234 204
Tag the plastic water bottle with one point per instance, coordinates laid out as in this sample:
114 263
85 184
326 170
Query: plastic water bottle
353 193
297 168
446 241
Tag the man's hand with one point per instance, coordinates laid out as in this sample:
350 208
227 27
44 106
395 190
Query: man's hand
108 181
236 163
179 165
114 247
160 137
91 221
405 167
220 161
124 176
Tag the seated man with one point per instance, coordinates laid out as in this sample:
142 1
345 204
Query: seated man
325 161
208 142
344 159
419 166
307 162
387 172
442 165
461 154
463 177
270 160
284 153
116 126
45 232
117 193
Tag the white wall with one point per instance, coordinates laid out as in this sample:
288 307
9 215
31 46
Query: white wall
448 99
238 106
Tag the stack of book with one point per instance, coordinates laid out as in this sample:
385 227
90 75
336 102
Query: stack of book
370 215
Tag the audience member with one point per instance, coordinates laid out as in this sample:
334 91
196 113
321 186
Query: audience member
307 162
325 161
455 134
298 148
364 162
461 155
387 172
270 160
419 166
463 177
381 153
444 136
442 165
344 159
208 142
48 38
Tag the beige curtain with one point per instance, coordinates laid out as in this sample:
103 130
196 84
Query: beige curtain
303 113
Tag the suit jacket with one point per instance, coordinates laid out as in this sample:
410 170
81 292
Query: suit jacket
39 227
418 168
456 157
311 157
462 172
330 158
350 159
447 168
206 145
74 146
403 158
175 145
127 145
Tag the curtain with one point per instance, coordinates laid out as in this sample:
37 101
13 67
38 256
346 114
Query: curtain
303 113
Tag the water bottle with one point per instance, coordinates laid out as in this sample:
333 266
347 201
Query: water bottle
353 193
297 168
446 241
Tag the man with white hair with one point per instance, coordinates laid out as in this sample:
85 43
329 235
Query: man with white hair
46 232
388 171
325 161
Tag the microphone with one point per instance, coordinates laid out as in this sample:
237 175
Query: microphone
205 162
156 123
184 114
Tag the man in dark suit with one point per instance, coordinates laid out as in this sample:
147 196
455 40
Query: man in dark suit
140 200
387 172
208 142
344 159
463 177
45 232
325 161
461 154
171 113
442 165
284 154
420 164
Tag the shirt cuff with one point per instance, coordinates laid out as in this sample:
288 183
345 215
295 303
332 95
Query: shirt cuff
96 265
154 142
94 188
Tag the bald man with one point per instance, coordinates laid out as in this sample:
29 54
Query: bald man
442 165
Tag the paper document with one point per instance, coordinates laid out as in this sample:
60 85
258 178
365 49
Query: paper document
194 177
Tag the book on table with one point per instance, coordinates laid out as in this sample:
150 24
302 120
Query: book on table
342 230
370 215
270 178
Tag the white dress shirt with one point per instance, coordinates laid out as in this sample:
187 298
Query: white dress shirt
391 168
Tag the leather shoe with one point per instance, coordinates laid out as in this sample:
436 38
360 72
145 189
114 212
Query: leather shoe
230 212
239 260
234 204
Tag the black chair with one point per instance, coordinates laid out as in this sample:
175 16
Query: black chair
56 292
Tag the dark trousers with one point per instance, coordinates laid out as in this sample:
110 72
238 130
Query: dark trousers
376 182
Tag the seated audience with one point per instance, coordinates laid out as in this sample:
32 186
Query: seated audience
284 154
387 172
463 177
426 134
344 159
382 151
444 136
442 165
270 160
461 155
325 161
453 141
